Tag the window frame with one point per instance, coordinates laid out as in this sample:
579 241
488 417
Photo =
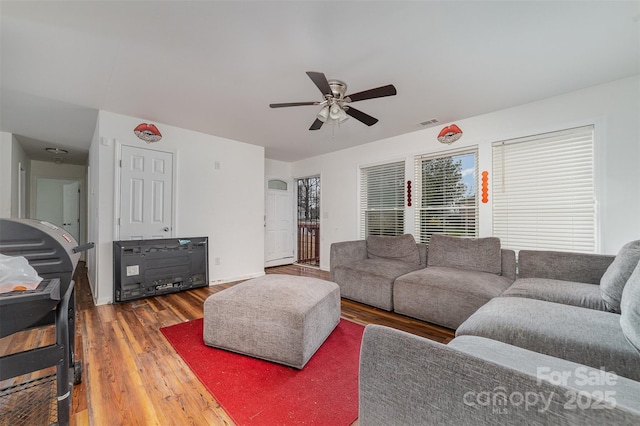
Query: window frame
423 235
571 222
395 207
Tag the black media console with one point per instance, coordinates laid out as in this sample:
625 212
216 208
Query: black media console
143 268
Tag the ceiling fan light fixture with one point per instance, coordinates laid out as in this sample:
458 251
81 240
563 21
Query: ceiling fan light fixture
337 113
334 112
323 115
56 151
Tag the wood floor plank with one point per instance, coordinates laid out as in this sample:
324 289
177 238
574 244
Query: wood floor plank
131 373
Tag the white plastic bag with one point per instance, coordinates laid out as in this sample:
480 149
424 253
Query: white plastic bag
17 274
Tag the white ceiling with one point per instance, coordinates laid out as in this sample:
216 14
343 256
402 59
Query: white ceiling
215 66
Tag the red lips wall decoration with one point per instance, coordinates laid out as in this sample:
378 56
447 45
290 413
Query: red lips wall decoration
147 132
450 134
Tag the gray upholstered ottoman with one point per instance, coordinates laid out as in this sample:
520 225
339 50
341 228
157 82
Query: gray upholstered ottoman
279 318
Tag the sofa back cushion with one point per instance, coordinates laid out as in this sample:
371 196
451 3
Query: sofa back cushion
614 278
474 254
402 248
630 307
585 268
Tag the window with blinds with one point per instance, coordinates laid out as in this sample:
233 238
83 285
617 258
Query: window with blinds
543 192
382 200
445 192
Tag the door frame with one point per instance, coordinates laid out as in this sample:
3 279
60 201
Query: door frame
118 179
296 219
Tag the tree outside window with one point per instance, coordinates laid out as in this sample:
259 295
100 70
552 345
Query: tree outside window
446 194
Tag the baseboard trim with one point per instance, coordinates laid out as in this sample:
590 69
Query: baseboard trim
234 279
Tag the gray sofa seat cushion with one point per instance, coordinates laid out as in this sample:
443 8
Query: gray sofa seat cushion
402 248
565 292
409 380
630 305
617 274
474 254
445 296
370 281
581 335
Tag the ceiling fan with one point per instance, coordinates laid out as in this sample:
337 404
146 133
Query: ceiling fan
335 105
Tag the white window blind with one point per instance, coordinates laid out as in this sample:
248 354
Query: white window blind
382 200
543 192
445 195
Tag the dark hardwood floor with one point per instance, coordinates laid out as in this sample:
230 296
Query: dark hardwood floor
131 374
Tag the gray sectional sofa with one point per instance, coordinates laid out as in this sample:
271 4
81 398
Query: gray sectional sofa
458 276
561 345
565 305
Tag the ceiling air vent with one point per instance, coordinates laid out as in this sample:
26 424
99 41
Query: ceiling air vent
429 122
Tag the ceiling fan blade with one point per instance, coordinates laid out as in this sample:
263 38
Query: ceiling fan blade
378 92
361 116
290 104
316 125
320 80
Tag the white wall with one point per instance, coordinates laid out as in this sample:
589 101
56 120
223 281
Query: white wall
93 216
276 169
19 159
225 204
613 108
70 172
11 157
5 174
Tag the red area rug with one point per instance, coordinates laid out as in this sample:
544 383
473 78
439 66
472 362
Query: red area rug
257 392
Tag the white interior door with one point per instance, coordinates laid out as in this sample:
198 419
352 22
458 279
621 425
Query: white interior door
146 186
71 208
278 224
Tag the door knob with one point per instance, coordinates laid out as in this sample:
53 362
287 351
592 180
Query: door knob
166 229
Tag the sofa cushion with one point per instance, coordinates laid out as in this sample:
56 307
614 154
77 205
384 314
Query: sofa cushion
474 254
617 274
445 296
370 281
630 306
581 335
565 292
563 265
402 248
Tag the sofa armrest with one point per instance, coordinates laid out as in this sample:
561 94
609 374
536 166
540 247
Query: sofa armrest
508 260
565 266
346 252
409 380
